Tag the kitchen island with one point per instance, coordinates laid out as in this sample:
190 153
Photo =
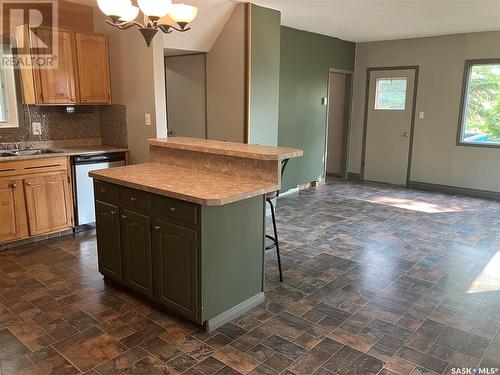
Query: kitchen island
187 229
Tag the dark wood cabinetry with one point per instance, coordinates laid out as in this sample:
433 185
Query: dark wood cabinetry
175 258
136 251
152 253
108 240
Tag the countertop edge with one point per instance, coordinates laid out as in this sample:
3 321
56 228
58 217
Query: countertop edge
292 153
180 196
66 151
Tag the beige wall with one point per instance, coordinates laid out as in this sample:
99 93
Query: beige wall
226 81
138 82
436 157
186 95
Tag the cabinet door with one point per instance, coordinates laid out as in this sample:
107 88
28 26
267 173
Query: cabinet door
93 68
175 258
13 224
57 86
135 232
108 240
48 203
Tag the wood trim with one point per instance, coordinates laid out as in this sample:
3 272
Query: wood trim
248 72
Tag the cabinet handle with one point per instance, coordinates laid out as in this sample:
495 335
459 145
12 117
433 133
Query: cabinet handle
28 183
13 186
84 99
156 227
133 199
73 100
113 212
124 217
103 190
172 209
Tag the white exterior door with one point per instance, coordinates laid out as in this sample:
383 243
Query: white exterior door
388 125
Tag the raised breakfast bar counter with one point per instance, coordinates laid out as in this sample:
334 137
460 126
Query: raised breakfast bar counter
187 229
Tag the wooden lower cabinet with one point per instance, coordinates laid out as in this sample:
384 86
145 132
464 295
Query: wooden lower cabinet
175 260
108 240
13 224
48 203
135 237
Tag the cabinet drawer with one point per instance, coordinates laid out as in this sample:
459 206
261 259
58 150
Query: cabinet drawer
134 198
175 208
105 190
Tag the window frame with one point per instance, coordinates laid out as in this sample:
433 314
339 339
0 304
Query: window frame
377 93
9 89
463 105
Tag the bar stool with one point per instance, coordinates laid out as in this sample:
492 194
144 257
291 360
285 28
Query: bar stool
269 198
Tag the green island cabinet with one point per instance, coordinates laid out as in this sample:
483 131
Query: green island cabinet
199 261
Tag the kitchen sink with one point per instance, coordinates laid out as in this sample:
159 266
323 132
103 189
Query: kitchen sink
28 152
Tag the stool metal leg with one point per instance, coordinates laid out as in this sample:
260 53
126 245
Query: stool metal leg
275 239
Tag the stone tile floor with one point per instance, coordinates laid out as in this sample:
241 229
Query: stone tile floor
378 280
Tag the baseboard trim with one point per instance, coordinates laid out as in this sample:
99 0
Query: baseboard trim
454 190
234 312
353 176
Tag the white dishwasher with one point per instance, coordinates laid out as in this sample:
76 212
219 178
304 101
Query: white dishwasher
84 185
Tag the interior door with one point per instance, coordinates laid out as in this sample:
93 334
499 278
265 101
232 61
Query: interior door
93 68
388 125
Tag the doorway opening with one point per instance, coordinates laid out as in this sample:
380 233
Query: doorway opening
338 122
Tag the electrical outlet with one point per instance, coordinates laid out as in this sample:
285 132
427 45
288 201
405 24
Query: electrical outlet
147 119
36 128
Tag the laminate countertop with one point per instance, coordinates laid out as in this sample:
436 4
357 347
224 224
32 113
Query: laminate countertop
67 151
227 148
200 187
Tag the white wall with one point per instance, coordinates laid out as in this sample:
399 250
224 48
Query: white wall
138 82
436 158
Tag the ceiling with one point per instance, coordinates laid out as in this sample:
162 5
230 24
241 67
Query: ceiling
354 20
372 20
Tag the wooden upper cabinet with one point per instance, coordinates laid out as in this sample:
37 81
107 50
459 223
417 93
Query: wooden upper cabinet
93 68
82 74
48 203
13 225
57 86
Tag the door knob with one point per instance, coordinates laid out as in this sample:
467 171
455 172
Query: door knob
406 134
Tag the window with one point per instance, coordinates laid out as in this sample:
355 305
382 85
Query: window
8 98
390 93
480 114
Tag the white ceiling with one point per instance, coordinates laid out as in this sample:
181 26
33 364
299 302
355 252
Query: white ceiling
371 20
354 20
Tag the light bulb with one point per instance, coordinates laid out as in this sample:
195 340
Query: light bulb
155 8
129 13
112 7
182 13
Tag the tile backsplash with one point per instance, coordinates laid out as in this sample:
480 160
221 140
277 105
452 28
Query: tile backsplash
106 122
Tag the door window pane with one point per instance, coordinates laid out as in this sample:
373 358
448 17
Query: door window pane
481 117
390 93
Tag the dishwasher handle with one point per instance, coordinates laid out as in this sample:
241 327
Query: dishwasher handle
99 158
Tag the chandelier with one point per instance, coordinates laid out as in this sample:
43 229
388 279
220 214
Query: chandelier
123 14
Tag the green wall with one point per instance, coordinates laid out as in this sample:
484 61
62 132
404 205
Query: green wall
265 73
304 68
